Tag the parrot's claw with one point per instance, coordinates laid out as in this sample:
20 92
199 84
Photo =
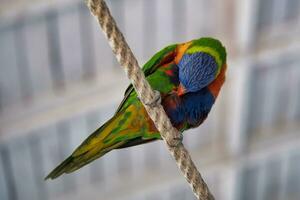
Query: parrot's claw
156 100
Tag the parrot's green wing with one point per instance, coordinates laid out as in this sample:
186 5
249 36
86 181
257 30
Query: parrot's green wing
163 56
130 125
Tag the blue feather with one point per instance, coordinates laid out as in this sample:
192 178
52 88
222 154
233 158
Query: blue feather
193 107
197 70
197 105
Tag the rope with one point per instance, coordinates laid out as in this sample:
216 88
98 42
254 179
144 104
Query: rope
149 98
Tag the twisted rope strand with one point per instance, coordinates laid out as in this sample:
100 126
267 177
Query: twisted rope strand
149 98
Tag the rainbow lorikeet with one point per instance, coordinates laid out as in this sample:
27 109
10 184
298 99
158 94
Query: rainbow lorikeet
188 76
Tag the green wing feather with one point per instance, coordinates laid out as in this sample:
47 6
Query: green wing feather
153 63
149 68
129 126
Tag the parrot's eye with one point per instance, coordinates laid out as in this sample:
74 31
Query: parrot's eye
197 70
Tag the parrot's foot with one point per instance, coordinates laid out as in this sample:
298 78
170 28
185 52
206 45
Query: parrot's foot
156 100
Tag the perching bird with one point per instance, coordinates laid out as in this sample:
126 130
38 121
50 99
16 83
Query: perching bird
188 76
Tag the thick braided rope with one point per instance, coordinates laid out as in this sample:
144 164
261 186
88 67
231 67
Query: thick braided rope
149 98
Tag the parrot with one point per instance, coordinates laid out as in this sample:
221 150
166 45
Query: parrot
188 77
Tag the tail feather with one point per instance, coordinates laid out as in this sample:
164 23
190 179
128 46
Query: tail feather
60 169
92 148
79 159
71 164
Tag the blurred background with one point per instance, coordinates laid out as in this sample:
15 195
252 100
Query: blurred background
59 81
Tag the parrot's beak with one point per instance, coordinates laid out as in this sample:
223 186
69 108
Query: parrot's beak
181 90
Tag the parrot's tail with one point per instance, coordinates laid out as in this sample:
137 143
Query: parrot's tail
91 149
69 165
61 169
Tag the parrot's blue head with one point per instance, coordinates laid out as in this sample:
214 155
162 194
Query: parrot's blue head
199 63
196 71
